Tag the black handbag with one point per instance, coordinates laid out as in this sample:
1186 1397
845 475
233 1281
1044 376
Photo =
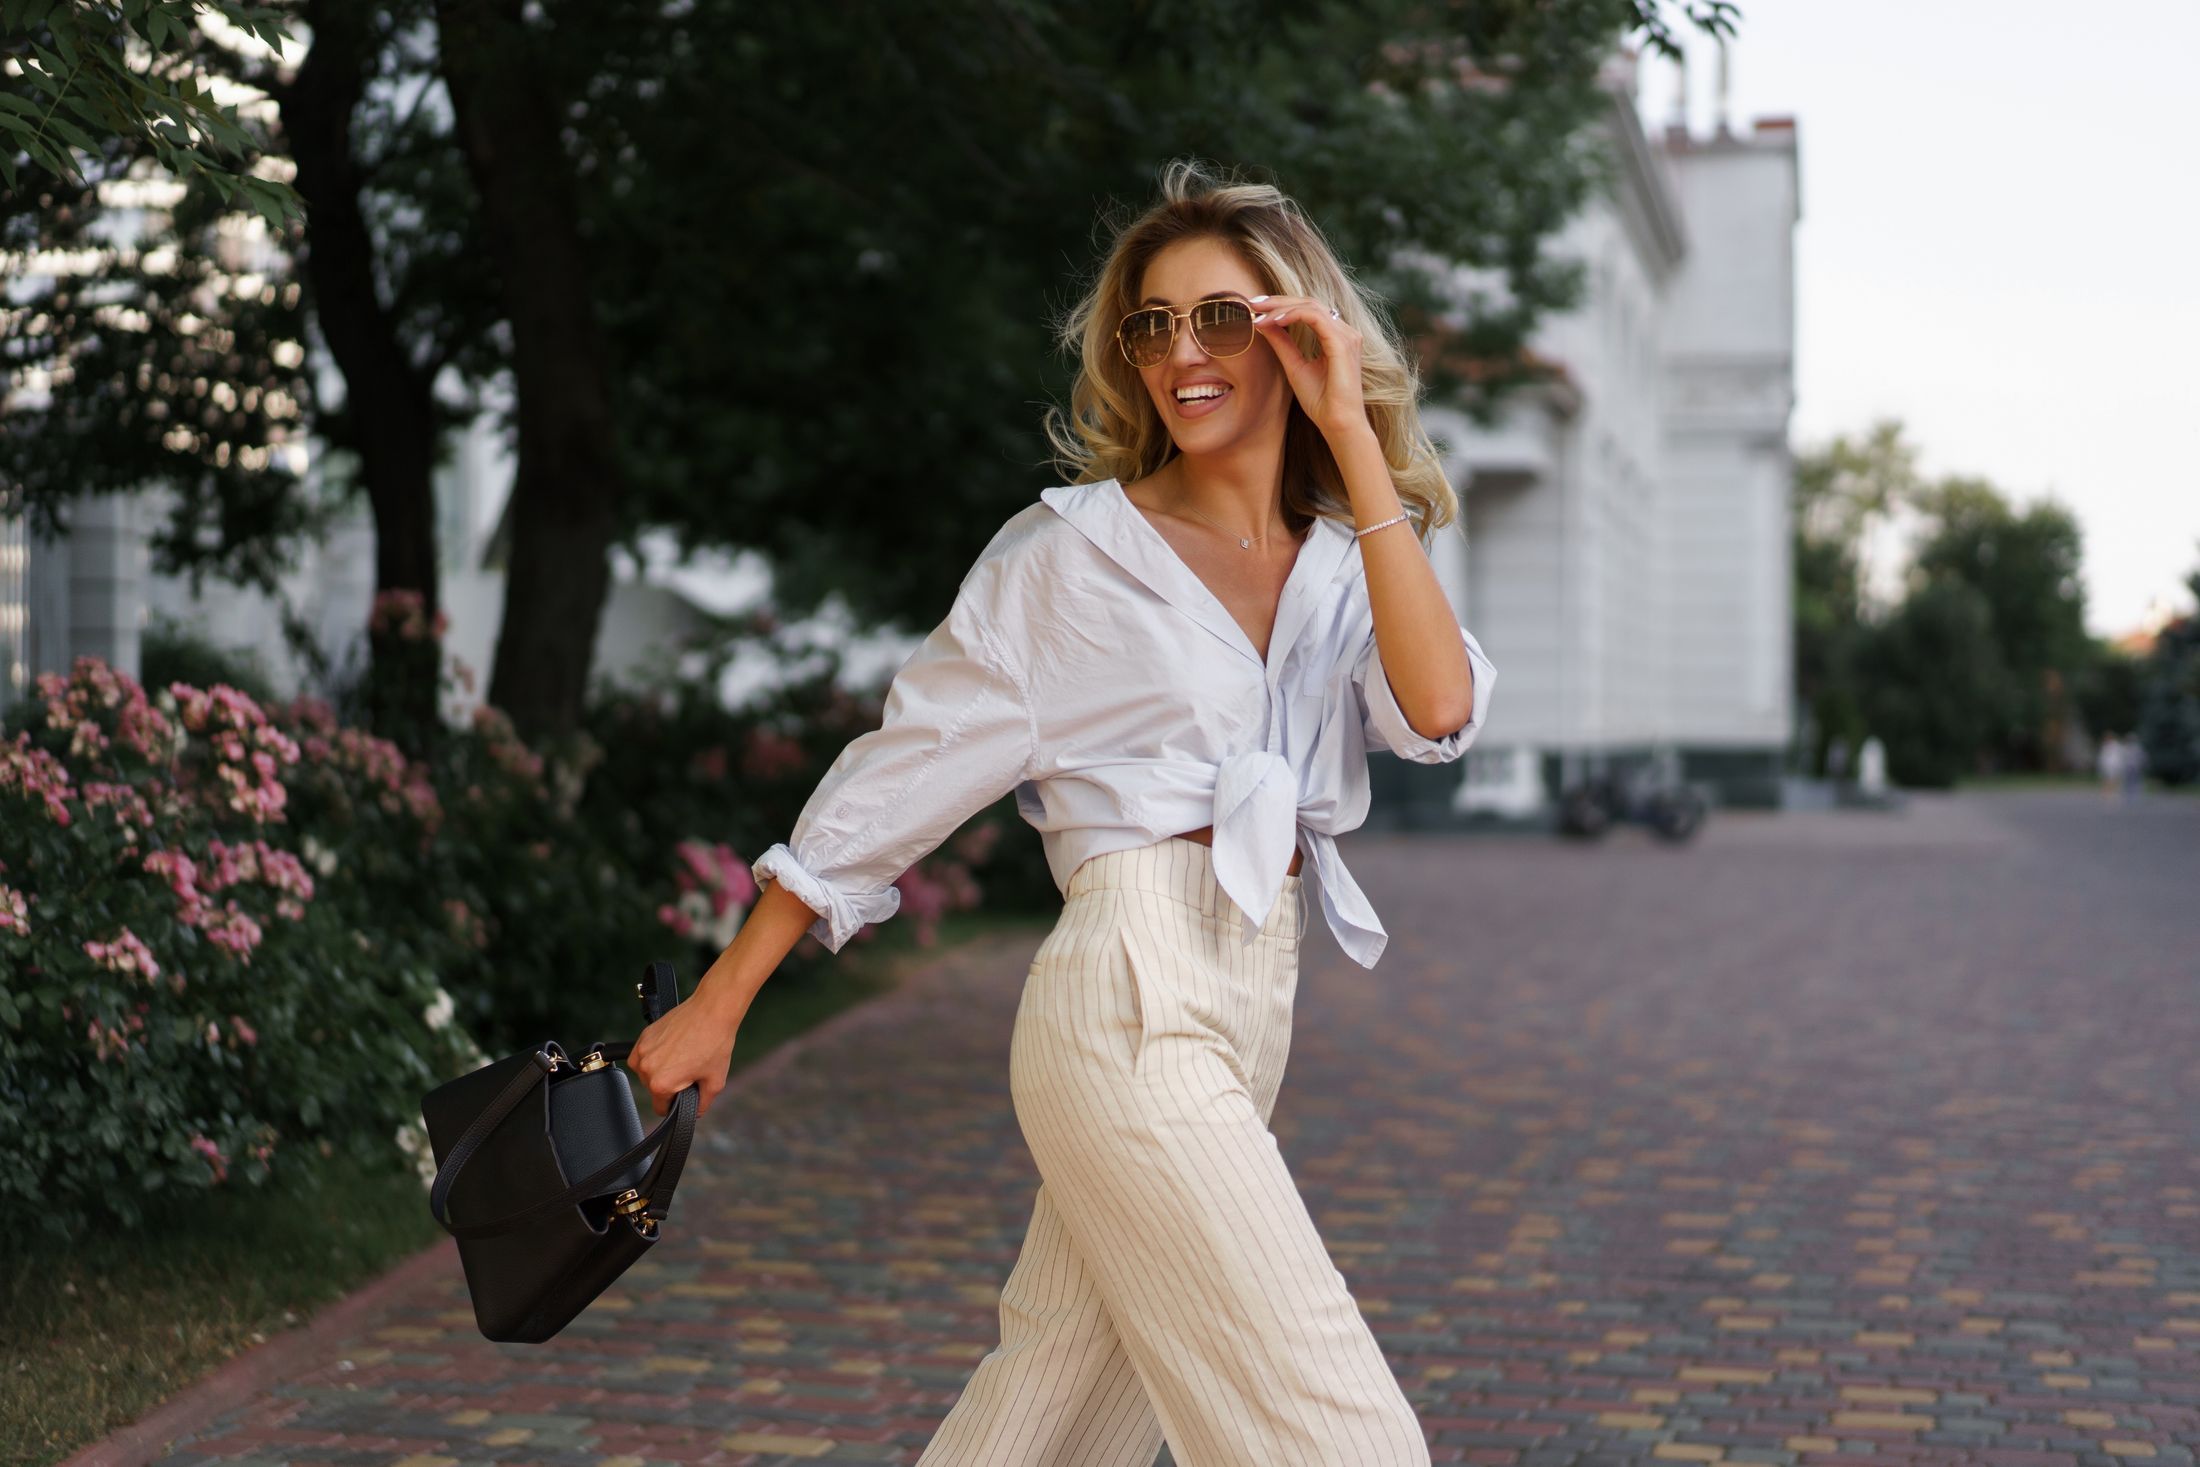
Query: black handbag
567 1133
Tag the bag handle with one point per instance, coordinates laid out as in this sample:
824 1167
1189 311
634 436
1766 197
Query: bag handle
676 1131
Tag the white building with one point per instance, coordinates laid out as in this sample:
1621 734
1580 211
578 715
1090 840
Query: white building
1626 556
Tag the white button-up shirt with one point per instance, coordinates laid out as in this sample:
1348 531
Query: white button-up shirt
1086 667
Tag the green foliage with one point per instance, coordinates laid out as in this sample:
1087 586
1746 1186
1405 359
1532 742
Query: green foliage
901 205
179 1000
1840 491
2108 690
2169 711
856 311
94 72
2026 567
2017 690
170 652
1933 683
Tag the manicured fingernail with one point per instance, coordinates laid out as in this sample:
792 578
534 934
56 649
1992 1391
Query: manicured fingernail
1260 315
1259 298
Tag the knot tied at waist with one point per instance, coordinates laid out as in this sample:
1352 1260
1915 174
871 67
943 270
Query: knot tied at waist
1259 826
1255 830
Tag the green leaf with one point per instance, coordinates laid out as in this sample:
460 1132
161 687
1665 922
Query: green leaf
75 135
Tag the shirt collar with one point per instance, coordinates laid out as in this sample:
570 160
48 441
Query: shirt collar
1106 516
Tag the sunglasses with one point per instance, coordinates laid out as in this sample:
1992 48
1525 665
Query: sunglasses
1222 328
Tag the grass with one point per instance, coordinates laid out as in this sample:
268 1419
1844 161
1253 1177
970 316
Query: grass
96 1332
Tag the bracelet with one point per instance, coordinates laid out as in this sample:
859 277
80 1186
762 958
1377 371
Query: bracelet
1371 529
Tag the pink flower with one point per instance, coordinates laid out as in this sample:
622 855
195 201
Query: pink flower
37 774
234 931
404 611
125 954
213 1155
242 1032
107 1042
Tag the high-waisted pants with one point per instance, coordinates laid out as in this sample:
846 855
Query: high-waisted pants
1171 1284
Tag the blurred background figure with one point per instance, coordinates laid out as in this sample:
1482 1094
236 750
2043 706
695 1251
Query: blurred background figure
2111 764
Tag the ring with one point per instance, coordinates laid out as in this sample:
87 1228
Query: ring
1332 313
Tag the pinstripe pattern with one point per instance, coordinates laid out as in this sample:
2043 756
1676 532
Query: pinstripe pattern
1171 1281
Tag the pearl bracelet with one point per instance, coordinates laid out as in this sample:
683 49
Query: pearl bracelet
1371 529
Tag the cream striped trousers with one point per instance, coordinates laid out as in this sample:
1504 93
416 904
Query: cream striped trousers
1171 1284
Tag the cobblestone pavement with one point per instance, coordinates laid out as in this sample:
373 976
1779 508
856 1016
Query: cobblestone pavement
1833 1138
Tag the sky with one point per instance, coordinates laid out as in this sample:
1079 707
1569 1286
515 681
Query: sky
1999 245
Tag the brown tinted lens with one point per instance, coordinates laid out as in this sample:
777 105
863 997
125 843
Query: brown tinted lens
1145 337
1222 328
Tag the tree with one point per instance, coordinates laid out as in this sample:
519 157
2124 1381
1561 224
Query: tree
2026 566
89 74
175 348
780 271
1932 683
2169 708
1841 491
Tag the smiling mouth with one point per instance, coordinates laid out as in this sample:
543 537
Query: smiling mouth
1206 402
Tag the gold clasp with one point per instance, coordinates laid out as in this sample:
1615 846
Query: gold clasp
593 1060
629 1203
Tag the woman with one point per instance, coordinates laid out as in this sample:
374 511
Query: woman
1178 662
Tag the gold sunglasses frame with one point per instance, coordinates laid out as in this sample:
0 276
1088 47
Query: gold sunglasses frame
1176 315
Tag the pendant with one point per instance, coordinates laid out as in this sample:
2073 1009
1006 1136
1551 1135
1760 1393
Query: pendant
1245 544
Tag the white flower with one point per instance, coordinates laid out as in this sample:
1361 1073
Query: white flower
440 1011
412 1140
320 857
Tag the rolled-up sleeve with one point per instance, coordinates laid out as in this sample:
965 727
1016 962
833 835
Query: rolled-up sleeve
957 734
1384 723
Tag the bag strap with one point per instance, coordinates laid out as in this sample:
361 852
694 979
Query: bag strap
676 1131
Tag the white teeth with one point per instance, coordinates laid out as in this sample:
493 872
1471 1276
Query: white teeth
1195 394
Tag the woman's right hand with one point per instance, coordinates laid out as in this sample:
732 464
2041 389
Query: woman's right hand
692 1045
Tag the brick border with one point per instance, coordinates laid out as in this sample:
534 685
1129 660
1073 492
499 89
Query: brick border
282 1356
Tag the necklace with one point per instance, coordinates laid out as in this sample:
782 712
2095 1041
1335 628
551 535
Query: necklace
1243 542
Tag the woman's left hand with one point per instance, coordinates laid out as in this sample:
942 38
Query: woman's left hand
1328 389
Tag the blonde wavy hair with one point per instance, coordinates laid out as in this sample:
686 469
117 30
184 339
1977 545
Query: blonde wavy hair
1111 428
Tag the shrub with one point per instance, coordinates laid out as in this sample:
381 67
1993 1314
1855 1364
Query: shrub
170 652
228 929
181 1001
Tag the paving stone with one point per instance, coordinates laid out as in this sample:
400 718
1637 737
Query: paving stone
1830 1138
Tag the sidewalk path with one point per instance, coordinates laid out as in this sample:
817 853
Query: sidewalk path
1833 1138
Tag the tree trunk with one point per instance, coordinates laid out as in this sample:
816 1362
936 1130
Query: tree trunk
392 424
566 488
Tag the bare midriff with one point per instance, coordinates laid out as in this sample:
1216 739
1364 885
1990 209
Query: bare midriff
1205 835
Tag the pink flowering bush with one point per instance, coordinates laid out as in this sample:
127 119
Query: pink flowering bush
180 1003
230 928
685 775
